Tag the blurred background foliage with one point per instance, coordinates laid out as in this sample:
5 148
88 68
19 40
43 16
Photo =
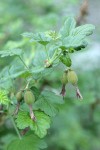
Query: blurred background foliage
77 127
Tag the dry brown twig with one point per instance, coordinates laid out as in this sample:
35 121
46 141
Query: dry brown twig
83 12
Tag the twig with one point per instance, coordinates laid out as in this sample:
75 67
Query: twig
15 127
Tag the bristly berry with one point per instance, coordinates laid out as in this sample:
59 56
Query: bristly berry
64 78
72 77
29 98
69 76
19 96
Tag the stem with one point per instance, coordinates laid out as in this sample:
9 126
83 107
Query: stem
17 108
32 113
27 85
55 56
23 62
17 131
47 52
13 87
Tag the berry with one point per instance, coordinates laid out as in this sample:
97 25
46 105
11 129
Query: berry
72 77
19 96
64 78
29 98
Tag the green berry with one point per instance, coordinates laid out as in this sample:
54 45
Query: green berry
72 77
19 96
64 78
29 98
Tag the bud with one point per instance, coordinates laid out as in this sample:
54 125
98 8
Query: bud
65 59
19 96
72 77
29 98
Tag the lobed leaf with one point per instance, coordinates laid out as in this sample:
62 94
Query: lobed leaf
39 126
68 27
4 98
48 102
40 37
12 52
28 142
84 30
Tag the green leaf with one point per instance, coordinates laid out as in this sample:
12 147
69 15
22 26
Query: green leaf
37 69
14 71
39 59
71 41
68 27
11 52
4 98
84 30
29 142
39 126
14 44
27 34
41 38
76 41
76 37
49 103
35 91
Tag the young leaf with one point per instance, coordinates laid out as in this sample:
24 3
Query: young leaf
41 38
39 126
28 142
84 30
4 98
11 52
68 27
48 102
71 41
27 34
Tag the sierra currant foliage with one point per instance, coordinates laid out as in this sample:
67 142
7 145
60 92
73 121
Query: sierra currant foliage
30 109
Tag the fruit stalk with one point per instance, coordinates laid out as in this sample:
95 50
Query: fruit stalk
32 113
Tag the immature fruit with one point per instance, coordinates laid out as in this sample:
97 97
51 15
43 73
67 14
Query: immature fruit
72 77
19 96
64 78
65 59
29 98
